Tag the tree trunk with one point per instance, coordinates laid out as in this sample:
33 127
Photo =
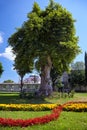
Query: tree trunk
46 82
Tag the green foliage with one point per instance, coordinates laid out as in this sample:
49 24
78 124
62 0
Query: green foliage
77 77
54 75
86 67
59 84
28 95
79 65
8 81
1 69
48 32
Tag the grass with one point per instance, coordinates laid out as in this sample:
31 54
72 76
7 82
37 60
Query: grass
57 99
22 114
66 121
7 98
13 98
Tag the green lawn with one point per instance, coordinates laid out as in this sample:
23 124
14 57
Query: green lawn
22 114
66 121
14 98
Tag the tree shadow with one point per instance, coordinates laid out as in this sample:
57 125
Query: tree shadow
14 98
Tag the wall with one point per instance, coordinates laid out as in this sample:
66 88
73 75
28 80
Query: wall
15 87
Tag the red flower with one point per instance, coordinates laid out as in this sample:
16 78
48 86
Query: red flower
29 122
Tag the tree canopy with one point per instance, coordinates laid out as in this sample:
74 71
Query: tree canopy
47 32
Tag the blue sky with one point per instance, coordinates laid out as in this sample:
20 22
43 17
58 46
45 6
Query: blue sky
14 12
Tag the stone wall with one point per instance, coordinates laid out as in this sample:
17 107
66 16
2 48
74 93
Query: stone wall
15 87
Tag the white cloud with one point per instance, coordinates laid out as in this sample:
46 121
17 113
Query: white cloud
8 54
1 38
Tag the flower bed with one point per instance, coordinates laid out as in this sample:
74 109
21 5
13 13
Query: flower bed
33 121
75 106
57 109
27 107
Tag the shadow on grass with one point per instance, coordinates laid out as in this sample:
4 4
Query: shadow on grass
14 98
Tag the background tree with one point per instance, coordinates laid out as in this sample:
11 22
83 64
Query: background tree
77 74
77 78
48 35
8 81
54 75
79 65
21 68
1 69
86 68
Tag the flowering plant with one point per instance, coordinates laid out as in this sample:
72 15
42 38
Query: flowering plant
75 106
27 107
33 121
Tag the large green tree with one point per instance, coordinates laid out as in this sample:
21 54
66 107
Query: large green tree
50 36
